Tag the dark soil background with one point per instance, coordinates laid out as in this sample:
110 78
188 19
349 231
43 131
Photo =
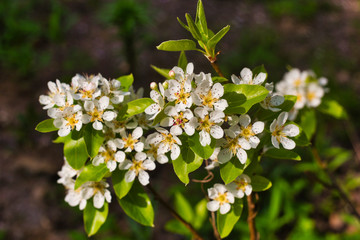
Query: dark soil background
43 41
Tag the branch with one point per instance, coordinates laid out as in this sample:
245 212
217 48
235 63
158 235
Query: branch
217 69
175 214
251 218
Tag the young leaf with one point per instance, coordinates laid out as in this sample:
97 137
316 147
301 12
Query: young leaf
137 205
162 71
282 154
93 140
231 170
175 226
126 81
217 37
198 149
201 213
219 80
137 106
183 207
161 115
242 97
121 187
260 183
226 222
94 218
200 19
91 173
332 108
193 28
308 122
46 126
177 45
182 62
183 24
75 152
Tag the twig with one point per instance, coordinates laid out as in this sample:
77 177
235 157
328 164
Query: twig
217 69
251 218
334 184
213 224
175 214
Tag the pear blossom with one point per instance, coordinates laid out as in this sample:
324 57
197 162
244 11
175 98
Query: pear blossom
56 96
157 95
248 131
280 132
233 145
95 112
112 89
314 94
67 174
241 186
97 190
207 124
152 153
221 199
214 159
165 142
208 96
108 154
137 168
69 121
178 121
272 100
130 141
246 77
117 126
86 88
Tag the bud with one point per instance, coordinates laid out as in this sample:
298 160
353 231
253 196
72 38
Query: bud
323 81
153 85
171 73
165 85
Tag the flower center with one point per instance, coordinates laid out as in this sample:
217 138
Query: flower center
310 96
180 120
182 96
205 124
86 93
137 166
130 142
232 144
72 121
297 82
96 115
241 184
153 150
222 198
208 100
108 155
247 132
168 139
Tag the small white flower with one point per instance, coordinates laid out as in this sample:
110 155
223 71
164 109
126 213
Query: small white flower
66 174
69 121
130 141
240 186
117 126
272 100
166 142
246 77
280 132
214 160
178 121
137 168
108 154
86 88
56 96
221 199
208 96
314 94
158 97
152 153
95 112
112 90
248 130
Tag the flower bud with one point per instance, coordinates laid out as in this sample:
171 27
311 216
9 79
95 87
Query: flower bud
153 85
171 73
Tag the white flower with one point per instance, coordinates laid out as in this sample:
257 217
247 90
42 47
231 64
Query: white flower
280 132
221 199
314 94
272 100
233 145
240 186
117 126
178 121
95 112
165 142
56 96
138 167
70 120
86 88
158 97
112 90
108 154
208 96
246 77
66 174
207 124
152 153
130 141
248 130
214 159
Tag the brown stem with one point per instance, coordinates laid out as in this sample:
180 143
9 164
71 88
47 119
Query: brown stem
213 224
175 214
334 185
251 218
217 69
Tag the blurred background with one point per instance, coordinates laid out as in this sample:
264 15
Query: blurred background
42 41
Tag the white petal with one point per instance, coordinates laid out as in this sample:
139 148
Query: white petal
204 138
244 120
104 102
144 178
221 105
125 165
275 142
273 125
224 155
217 90
235 79
98 200
213 206
254 141
86 118
130 176
152 109
248 190
291 130
230 197
217 132
258 127
98 159
190 68
260 78
119 156
64 131
149 165
140 156
108 116
111 165
97 125
176 130
282 118
139 146
244 144
189 129
241 155
137 133
277 100
167 122
220 188
175 152
89 106
246 74
287 143
162 159
224 208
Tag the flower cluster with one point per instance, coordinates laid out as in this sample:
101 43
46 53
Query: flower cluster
305 86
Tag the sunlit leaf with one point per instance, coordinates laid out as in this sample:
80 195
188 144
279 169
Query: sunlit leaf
46 126
121 187
226 222
91 173
260 183
93 140
94 218
282 154
126 81
177 45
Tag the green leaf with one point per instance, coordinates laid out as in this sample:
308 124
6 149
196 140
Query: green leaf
183 207
94 218
183 24
162 71
93 140
186 163
91 173
76 153
161 115
121 187
200 19
217 37
308 122
242 97
198 149
282 154
126 81
175 226
137 205
201 214
231 170
226 222
192 27
46 126
219 80
177 45
137 106
260 183
289 103
332 108
182 62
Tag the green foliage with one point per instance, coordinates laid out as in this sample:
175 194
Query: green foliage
135 107
162 71
126 81
282 154
182 62
286 106
332 108
91 173
177 45
94 218
231 170
121 187
260 183
137 205
93 140
308 122
226 222
46 126
198 149
75 152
